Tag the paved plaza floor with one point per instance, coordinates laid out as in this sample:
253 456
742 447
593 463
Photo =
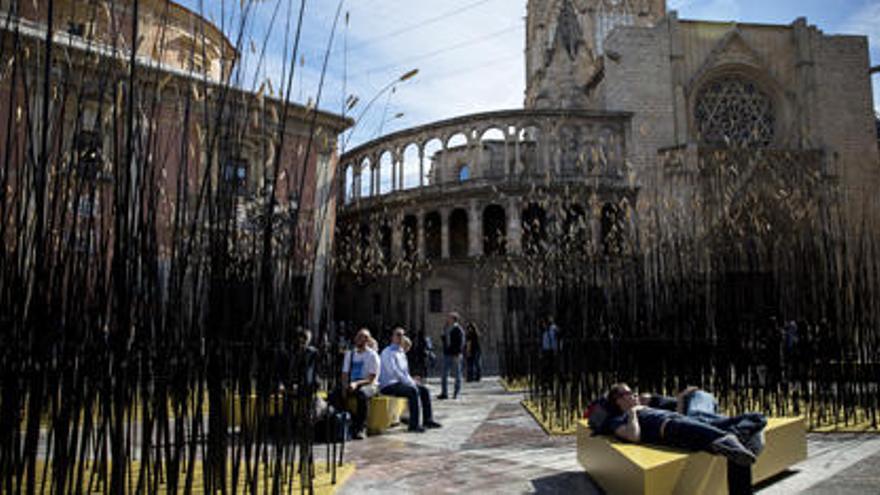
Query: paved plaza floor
489 444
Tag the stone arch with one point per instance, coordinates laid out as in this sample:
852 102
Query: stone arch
433 235
494 151
529 132
433 155
534 233
493 133
348 183
458 233
366 177
528 143
385 243
410 237
494 230
456 140
386 172
411 164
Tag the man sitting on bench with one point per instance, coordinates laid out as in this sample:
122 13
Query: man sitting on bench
629 420
396 381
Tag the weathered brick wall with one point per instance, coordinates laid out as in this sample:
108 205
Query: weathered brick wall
638 79
845 120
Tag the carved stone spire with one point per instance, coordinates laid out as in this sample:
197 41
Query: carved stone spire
569 34
576 28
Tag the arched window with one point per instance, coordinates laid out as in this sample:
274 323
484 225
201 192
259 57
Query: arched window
385 239
433 236
458 234
464 173
534 233
733 112
494 230
410 239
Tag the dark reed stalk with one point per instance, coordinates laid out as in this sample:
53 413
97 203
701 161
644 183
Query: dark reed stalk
123 343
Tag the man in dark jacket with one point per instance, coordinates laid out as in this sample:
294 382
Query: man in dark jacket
453 347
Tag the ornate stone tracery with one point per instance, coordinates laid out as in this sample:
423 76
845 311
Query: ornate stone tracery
569 31
735 112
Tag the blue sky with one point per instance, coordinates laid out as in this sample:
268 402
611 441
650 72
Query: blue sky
469 52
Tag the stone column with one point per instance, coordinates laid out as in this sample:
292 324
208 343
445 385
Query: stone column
514 227
421 166
356 186
393 174
377 178
400 172
420 235
507 143
517 153
475 229
444 233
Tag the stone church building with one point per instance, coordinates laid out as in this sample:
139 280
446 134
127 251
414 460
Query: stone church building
631 115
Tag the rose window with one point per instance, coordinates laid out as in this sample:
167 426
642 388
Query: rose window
733 112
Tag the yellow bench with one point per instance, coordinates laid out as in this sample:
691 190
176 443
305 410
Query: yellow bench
625 468
383 411
232 407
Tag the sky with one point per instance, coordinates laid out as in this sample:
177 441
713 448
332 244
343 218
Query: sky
469 53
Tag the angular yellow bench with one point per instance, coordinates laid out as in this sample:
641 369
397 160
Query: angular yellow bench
232 408
383 411
625 468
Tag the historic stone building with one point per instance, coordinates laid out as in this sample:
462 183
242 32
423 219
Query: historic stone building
194 123
630 113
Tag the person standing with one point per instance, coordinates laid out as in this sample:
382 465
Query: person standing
549 354
453 348
360 374
473 353
396 381
550 338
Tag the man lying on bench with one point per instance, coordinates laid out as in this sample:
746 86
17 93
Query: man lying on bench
697 427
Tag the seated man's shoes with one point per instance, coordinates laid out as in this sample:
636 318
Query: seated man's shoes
756 442
417 429
729 446
433 424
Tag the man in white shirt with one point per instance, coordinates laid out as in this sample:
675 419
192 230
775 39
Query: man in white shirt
395 380
360 373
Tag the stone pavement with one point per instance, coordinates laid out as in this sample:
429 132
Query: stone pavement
489 444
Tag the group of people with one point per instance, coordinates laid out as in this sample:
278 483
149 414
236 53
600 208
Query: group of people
366 372
691 420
